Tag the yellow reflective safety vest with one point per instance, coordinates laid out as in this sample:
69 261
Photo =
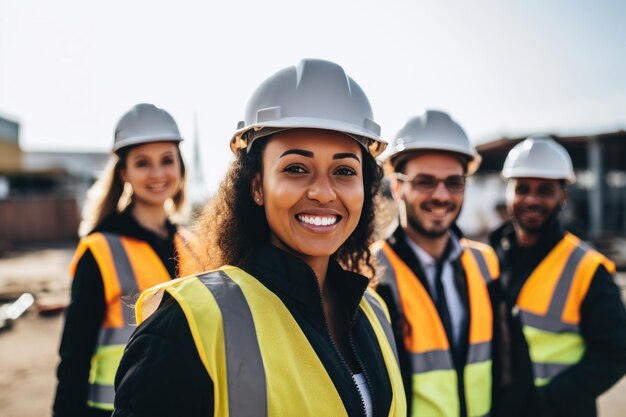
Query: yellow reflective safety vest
549 306
434 377
257 356
128 266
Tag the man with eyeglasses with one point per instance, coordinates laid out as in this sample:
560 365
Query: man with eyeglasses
439 287
559 291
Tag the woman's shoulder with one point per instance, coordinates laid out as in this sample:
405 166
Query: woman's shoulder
161 367
168 321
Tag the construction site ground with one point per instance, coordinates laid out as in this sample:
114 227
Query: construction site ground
28 351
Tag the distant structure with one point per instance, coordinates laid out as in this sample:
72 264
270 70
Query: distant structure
596 209
197 189
10 152
41 193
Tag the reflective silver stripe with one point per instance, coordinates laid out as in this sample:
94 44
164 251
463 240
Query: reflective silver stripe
548 370
479 352
389 276
547 324
247 389
551 322
482 264
109 336
125 273
101 394
559 297
382 319
433 360
128 285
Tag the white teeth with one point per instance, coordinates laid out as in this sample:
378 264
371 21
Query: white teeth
439 211
158 187
318 220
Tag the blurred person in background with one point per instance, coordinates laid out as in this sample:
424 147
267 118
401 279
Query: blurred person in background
287 325
440 288
559 291
129 245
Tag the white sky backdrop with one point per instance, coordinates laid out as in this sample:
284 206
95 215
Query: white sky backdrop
69 68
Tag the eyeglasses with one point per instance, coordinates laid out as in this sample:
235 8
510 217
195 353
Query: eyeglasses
455 184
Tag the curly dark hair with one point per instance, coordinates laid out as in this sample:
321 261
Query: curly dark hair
231 225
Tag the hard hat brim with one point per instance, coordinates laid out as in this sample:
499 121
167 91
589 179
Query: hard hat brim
545 175
243 138
141 140
473 160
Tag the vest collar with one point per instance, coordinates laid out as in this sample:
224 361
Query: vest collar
292 279
126 225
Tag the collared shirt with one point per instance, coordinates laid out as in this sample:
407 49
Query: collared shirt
453 297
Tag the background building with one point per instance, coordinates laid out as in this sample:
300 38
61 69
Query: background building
41 192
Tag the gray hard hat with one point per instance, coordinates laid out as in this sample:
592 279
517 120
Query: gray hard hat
433 130
539 157
145 123
314 94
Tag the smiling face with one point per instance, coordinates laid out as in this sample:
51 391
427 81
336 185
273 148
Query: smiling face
533 202
154 171
430 213
311 187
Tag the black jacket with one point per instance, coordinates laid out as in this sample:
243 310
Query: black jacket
161 373
572 393
398 243
85 314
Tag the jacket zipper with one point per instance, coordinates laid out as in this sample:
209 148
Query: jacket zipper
358 359
345 364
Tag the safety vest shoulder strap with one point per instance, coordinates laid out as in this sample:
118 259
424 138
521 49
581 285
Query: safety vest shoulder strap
485 257
578 281
372 303
386 272
127 266
593 254
481 267
124 262
115 267
559 284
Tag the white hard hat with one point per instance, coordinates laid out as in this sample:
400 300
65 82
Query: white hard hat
433 130
539 157
314 94
145 123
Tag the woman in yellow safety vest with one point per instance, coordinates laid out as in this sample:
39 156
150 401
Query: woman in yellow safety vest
129 245
287 326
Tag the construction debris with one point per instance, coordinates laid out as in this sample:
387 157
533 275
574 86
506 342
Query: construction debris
10 312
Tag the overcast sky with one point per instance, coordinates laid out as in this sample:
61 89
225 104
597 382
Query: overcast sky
69 68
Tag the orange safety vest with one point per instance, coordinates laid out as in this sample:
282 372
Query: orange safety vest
128 266
549 306
434 378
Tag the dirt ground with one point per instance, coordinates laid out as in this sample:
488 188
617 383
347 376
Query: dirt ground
28 351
